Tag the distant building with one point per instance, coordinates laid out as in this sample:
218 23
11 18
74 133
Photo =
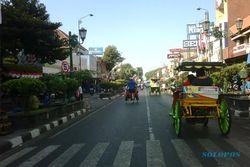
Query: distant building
235 44
89 62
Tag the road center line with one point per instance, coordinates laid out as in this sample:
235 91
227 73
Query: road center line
150 129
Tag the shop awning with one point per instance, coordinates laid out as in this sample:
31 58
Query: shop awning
193 66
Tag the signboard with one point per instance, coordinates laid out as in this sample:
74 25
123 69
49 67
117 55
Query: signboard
193 29
173 55
201 91
65 66
190 43
96 50
175 50
240 48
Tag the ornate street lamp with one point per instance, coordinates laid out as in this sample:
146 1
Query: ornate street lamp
239 23
82 31
82 34
206 23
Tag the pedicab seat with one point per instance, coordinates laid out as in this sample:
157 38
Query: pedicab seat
207 92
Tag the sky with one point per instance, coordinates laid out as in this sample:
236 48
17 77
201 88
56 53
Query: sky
143 31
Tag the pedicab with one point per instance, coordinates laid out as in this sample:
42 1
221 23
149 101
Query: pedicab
154 86
198 104
131 96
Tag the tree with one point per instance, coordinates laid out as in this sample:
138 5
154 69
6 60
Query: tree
126 71
139 72
152 73
83 75
26 27
111 57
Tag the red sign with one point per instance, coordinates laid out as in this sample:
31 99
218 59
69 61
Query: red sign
173 55
65 66
175 50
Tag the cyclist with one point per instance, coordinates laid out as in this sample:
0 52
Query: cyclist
131 85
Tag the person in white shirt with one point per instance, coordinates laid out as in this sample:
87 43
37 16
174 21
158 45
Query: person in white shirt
80 92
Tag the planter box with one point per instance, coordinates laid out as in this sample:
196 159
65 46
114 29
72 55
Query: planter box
23 120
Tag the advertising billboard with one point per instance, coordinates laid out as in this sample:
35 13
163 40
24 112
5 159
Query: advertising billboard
190 43
96 50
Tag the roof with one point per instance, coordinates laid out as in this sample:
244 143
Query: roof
245 25
63 35
193 66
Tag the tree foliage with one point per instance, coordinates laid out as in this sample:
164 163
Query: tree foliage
111 57
139 72
26 26
83 75
23 87
153 73
126 71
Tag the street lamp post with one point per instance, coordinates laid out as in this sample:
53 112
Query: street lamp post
206 22
82 31
82 34
205 26
221 49
243 72
219 34
70 55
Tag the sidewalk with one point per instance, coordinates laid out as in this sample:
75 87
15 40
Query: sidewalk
19 137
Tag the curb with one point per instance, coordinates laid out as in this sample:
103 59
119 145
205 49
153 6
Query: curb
26 136
111 98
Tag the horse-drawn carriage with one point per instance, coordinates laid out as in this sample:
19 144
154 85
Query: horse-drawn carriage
198 104
154 86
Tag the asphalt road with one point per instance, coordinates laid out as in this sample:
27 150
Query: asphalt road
136 135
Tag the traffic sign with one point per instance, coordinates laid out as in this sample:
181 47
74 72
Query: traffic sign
65 66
